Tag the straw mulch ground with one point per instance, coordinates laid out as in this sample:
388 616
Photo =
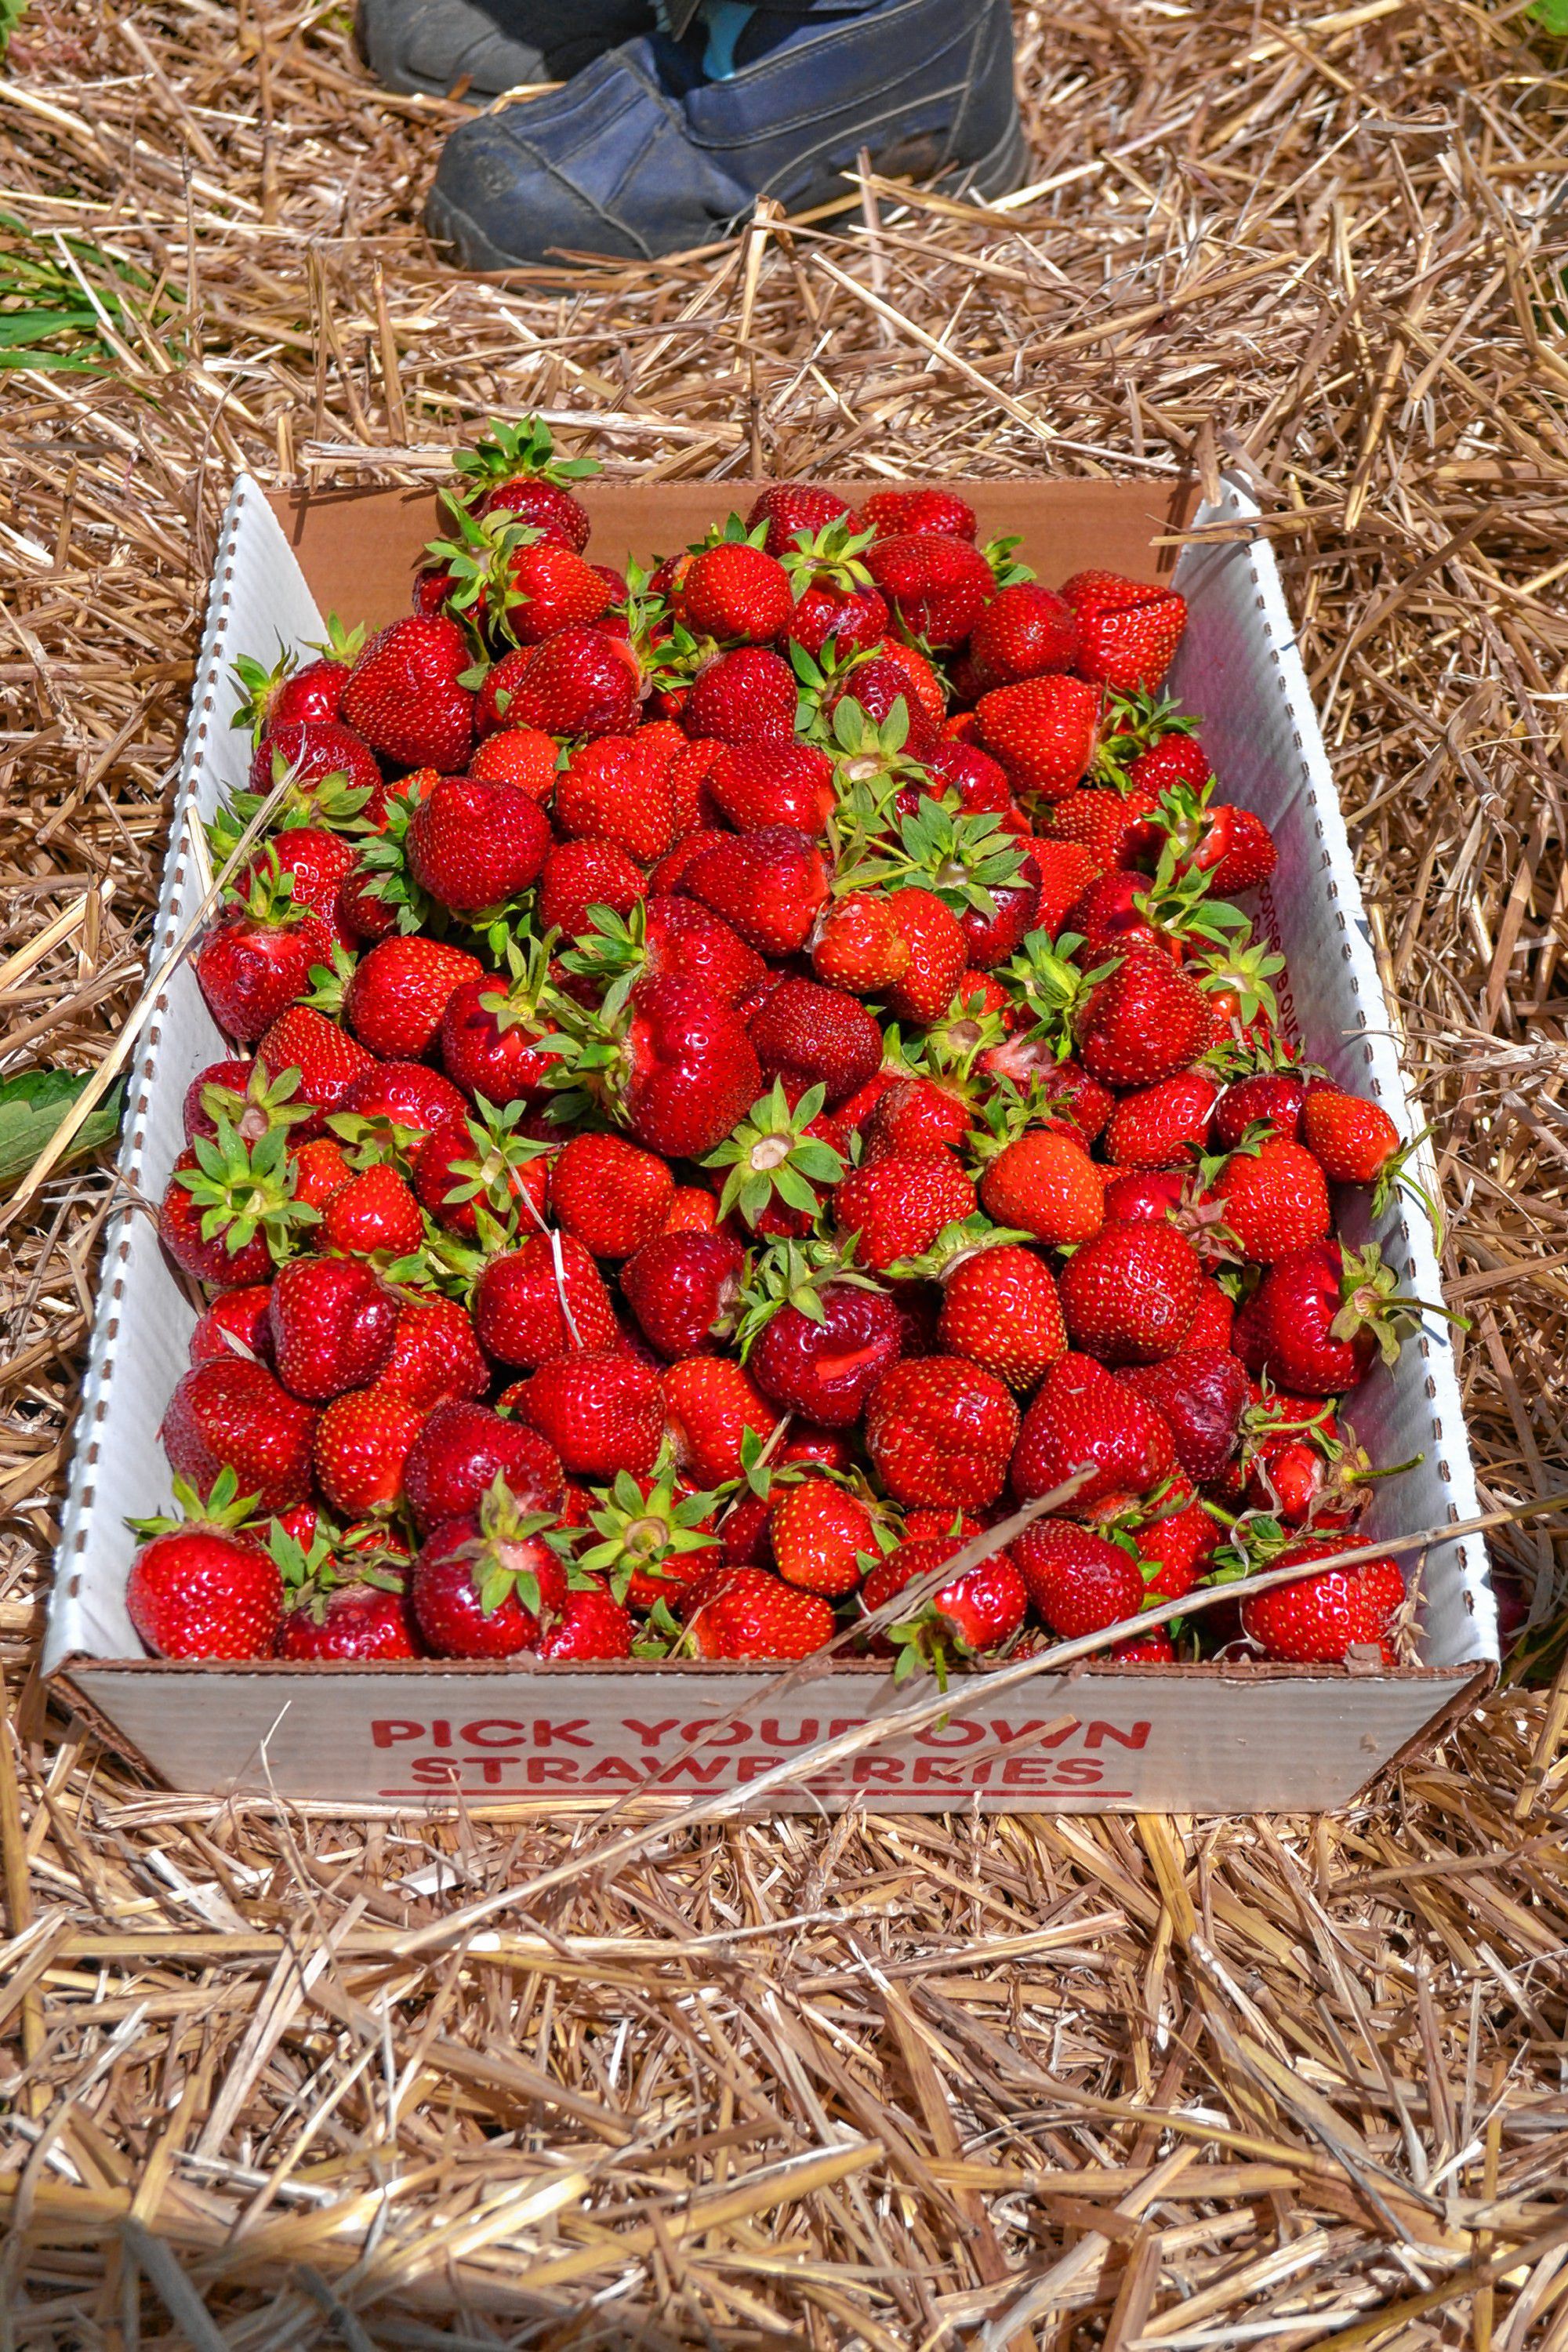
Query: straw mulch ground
1027 2082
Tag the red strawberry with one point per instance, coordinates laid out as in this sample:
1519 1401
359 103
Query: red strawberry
1201 1394
487 1586
1105 824
834 603
1154 1648
362 1443
894 674
1000 1308
461 1452
328 1059
547 587
1082 1416
612 1197
542 1299
1317 1620
251 966
1146 1022
860 944
434 1356
938 586
602 1413
742 1612
915 1115
1276 1096
235 1416
332 1326
235 1323
1352 1140
940 1430
327 761
490 1034
974 1612
591 1626
938 957
825 1363
710 1403
735 591
320 1169
1170 761
768 886
770 783
1213 1318
1275 1199
289 696
400 990
745 696
1129 629
1129 1294
376 1210
472 845
1079 1581
1062 871
579 682
943 513
818 1532
348 1620
201 1588
788 509
403 1094
580 876
899 1204
514 470
482 1165
404 696
1025 632
1235 849
1318 1319
315 861
229 1210
1042 730
1153 1128
1045 1183
812 1036
524 757
622 788
688 1069
684 1289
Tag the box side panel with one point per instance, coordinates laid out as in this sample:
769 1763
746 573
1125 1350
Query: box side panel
1159 1740
1239 667
359 549
143 1316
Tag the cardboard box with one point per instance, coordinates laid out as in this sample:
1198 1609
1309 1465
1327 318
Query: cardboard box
1197 1739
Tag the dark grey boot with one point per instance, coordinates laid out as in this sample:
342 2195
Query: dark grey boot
490 45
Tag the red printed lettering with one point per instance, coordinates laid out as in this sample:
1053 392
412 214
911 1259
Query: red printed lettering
1135 1735
1008 1735
435 1772
686 1768
724 1734
495 1731
569 1735
749 1767
551 1767
887 1769
930 1770
612 1768
951 1734
386 1731
1079 1773
650 1734
769 1730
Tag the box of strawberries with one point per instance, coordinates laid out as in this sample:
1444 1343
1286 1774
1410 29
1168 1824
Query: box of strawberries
771 1158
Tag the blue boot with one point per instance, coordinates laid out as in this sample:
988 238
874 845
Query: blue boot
488 45
664 143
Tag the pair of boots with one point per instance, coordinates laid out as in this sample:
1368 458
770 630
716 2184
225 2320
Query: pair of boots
674 116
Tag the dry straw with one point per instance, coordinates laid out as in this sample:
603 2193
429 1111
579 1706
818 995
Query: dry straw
891 2083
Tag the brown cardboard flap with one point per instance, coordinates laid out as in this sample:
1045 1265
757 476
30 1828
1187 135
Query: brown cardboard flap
359 549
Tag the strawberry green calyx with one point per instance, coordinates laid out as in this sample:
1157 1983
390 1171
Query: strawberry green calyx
640 1534
770 1152
478 560
732 533
499 1152
827 559
953 1246
371 1138
613 950
223 1506
949 1049
789 1273
1180 904
258 684
1134 722
504 1530
330 983
660 1634
507 450
266 890
1007 569
1052 986
267 1102
444 1263
529 996
244 1189
1373 1302
313 1572
866 750
385 859
960 856
1008 1112
1246 972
